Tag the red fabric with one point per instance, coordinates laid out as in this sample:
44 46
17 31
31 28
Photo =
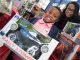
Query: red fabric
53 57
5 18
16 57
4 51
57 53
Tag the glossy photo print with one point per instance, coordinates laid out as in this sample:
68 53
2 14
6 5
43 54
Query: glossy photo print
77 38
66 48
28 38
23 39
72 28
25 6
77 54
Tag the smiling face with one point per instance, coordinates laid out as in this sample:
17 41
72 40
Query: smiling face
52 15
70 10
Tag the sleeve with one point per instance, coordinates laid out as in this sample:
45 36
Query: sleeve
34 20
54 32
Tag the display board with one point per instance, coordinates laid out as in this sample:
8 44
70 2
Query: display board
71 30
20 36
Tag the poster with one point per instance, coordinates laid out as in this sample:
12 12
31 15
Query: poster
66 48
20 36
71 30
77 38
77 54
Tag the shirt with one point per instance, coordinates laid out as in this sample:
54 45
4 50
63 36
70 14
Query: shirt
43 27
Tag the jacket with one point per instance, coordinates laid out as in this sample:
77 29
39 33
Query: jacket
53 31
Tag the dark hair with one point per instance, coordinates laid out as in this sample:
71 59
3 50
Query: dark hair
64 19
55 7
76 11
59 11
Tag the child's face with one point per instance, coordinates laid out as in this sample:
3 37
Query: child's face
52 15
70 9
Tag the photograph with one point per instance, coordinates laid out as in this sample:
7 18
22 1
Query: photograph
77 38
6 6
24 40
72 28
65 48
25 6
26 37
77 55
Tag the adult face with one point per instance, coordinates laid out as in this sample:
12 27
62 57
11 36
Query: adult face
52 15
70 10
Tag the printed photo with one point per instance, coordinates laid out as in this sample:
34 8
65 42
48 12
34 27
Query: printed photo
65 48
71 28
6 6
26 37
25 6
20 36
77 38
77 55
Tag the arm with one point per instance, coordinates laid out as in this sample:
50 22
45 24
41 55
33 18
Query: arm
53 32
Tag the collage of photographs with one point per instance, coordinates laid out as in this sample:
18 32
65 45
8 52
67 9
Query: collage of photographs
34 29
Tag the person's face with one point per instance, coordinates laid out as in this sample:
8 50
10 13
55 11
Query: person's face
70 10
27 16
52 15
